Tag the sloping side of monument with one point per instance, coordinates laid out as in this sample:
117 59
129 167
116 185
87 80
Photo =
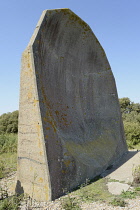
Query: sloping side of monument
32 170
75 102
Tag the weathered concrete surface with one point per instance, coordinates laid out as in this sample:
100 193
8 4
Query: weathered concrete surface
117 188
70 126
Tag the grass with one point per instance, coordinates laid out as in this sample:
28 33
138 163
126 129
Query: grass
8 163
95 191
137 189
69 203
8 154
128 194
10 203
117 201
98 191
8 143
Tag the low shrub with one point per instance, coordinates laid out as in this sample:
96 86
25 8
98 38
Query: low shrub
128 194
10 203
118 202
8 143
70 203
136 175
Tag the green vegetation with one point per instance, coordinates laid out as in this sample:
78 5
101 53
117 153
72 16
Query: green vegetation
131 119
9 122
9 202
69 203
128 194
120 199
88 192
117 201
8 163
137 189
8 153
8 143
136 175
94 191
97 191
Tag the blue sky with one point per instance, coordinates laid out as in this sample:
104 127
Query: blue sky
116 23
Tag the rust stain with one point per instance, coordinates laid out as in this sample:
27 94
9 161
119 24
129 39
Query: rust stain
28 65
40 180
64 171
41 153
29 95
45 119
67 163
35 102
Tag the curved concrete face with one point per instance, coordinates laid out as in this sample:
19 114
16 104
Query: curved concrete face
70 126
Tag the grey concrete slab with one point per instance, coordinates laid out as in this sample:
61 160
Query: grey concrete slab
70 125
117 188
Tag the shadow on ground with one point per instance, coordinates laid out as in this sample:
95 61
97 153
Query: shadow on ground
128 159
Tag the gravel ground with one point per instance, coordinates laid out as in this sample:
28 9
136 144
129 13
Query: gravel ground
8 184
133 204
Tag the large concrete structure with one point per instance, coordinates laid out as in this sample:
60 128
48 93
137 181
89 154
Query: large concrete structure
70 126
